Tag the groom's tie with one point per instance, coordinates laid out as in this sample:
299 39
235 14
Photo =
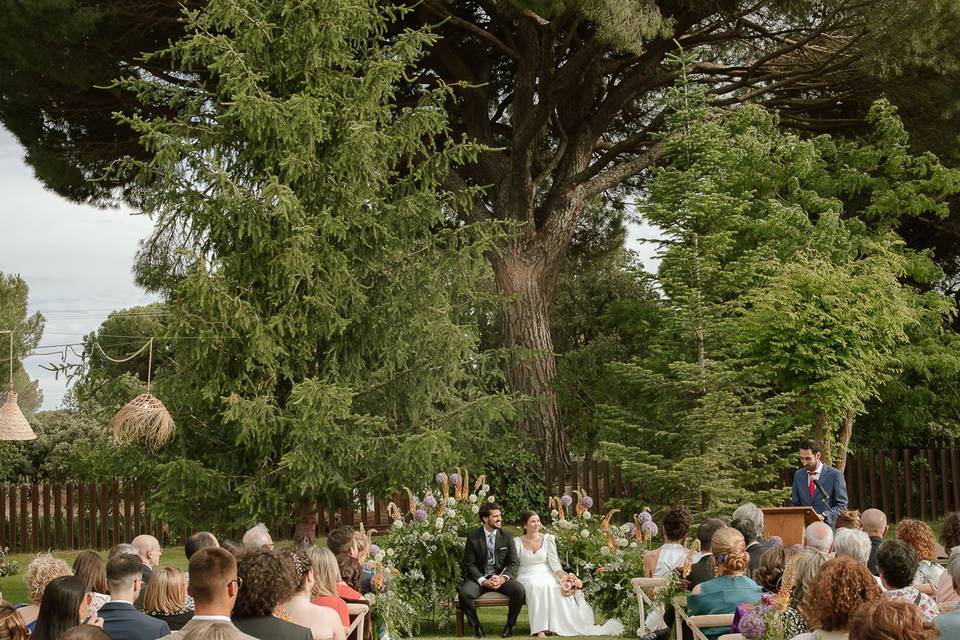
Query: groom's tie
491 551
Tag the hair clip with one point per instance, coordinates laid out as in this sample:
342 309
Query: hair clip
722 557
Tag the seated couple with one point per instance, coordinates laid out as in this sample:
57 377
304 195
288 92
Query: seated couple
524 570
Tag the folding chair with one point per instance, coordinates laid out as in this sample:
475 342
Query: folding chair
358 615
644 601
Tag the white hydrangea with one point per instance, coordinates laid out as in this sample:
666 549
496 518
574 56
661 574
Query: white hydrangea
633 544
605 551
584 533
380 557
439 523
587 515
390 552
473 498
427 536
491 499
554 514
625 527
475 509
621 542
451 501
485 488
398 524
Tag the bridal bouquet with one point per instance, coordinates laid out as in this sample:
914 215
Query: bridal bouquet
570 584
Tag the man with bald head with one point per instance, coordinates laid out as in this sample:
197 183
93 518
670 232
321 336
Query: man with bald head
148 550
819 536
873 522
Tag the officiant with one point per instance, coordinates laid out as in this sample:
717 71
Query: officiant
819 485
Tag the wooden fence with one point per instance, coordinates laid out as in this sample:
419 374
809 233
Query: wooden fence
917 483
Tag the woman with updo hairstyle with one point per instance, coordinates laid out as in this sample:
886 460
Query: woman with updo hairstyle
886 619
324 623
919 535
848 519
840 587
672 554
769 573
731 586
11 626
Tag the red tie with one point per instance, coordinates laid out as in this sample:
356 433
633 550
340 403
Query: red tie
812 487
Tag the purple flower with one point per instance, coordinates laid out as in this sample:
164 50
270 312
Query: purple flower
631 529
441 477
587 502
374 550
429 502
455 479
752 625
420 515
776 540
644 516
566 500
649 527
768 600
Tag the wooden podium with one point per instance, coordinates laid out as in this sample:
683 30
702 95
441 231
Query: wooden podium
788 523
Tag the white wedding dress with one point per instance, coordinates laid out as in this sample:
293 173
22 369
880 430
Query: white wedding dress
547 608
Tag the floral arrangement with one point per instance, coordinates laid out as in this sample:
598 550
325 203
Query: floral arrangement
7 567
765 620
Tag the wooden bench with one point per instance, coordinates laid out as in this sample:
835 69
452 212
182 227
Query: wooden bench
488 599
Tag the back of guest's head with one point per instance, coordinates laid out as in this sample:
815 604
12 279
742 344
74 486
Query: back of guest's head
11 625
918 535
873 521
326 572
848 519
747 529
350 571
852 543
85 632
769 571
841 585
123 547
362 542
122 570
888 619
257 536
300 561
705 533
41 571
166 591
751 512
729 551
91 567
211 569
267 580
341 540
60 607
676 522
897 562
197 541
806 566
212 631
231 545
819 536
953 566
950 531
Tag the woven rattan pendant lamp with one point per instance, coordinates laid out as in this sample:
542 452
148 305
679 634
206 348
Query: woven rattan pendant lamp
13 424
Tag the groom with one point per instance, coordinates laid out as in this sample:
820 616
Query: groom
490 564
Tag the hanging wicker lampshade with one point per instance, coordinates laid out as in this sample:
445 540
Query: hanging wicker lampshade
13 424
143 418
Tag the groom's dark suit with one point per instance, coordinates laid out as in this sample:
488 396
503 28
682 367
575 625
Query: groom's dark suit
476 561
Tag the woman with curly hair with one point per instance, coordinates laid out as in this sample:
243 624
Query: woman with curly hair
38 575
324 623
769 573
11 626
919 535
839 588
949 538
731 586
884 619
266 579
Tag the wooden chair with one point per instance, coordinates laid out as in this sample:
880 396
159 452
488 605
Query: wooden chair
359 613
731 636
696 623
641 586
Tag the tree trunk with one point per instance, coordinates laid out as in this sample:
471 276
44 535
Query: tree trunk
525 328
307 520
822 433
846 433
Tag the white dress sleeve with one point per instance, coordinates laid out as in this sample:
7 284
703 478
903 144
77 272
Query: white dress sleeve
553 559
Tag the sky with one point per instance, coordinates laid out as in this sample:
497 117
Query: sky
77 260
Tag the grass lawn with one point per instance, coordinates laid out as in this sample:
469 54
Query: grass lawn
491 618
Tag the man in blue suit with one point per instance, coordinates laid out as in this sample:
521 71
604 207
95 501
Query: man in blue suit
818 485
120 619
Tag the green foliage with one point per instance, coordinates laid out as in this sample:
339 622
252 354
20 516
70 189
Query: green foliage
7 567
27 331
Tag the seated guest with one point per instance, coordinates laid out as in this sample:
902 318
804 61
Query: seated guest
873 522
342 541
769 573
919 535
703 567
350 570
123 547
197 541
949 623
807 564
63 606
326 575
731 586
323 622
232 546
885 619
363 545
149 552
839 588
852 543
819 536
213 587
950 539
848 519
85 632
754 548
120 619
11 626
165 596
38 575
213 631
91 567
672 555
897 562
257 536
265 580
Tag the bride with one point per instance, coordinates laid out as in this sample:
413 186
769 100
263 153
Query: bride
540 574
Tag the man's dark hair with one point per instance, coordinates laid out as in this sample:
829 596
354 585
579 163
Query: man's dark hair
340 540
748 528
705 533
199 540
676 522
85 632
232 546
487 507
897 562
122 567
211 568
811 444
268 579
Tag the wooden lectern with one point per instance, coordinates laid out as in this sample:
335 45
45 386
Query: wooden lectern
788 523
